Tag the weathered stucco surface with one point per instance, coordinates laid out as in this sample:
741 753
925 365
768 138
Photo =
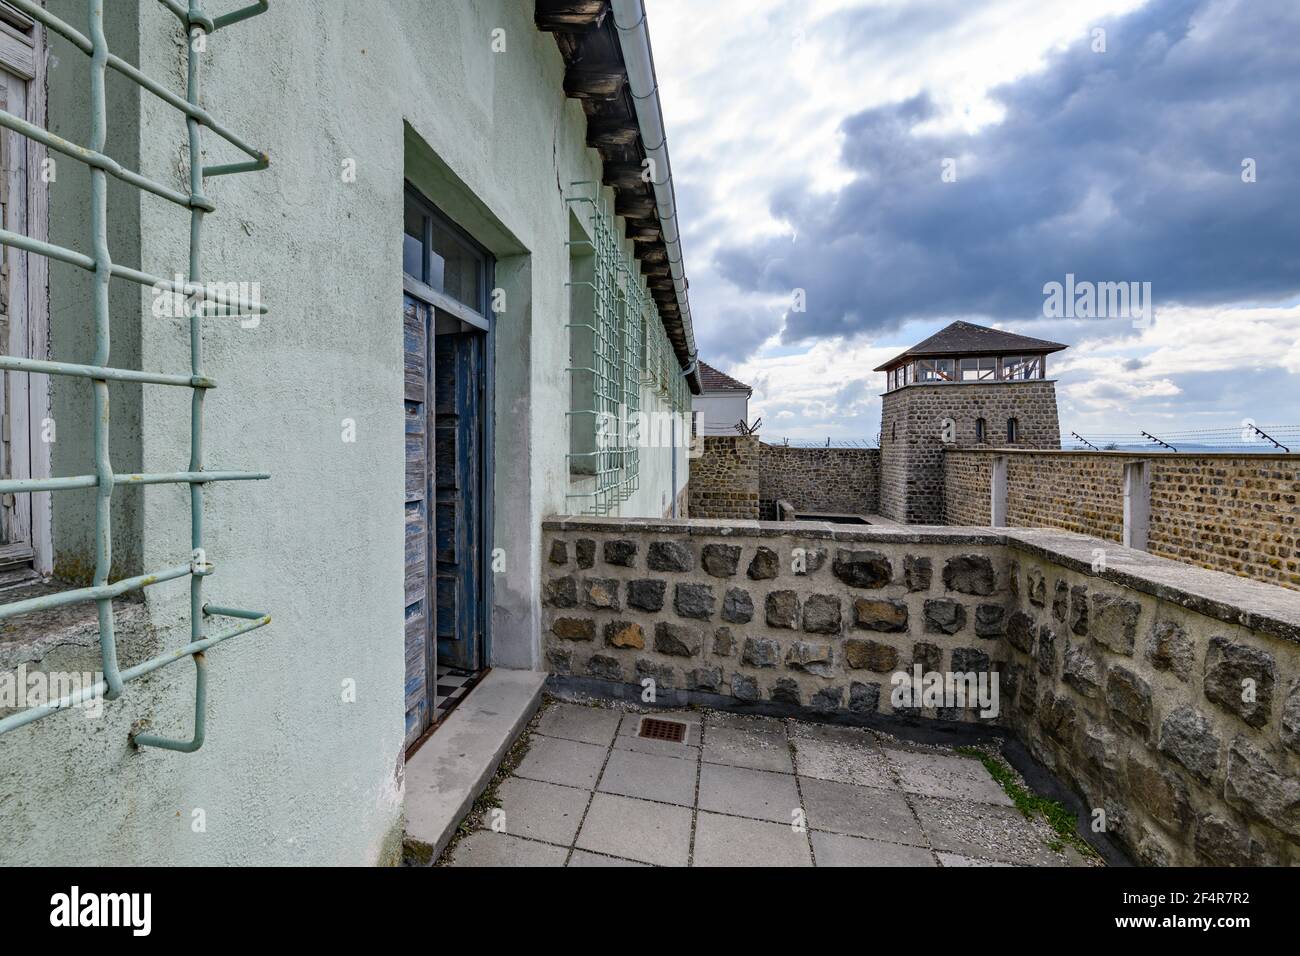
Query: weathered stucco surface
409 89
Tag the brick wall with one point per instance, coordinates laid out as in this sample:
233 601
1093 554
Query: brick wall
824 480
966 482
1226 513
1126 683
724 478
912 442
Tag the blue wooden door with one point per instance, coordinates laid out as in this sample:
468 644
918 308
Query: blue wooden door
420 664
458 493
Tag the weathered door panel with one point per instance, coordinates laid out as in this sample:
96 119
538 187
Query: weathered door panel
419 649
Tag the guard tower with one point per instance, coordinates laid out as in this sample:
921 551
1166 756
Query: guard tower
965 386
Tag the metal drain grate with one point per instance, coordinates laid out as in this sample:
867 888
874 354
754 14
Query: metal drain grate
654 728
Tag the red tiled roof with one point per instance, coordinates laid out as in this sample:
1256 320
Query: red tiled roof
711 380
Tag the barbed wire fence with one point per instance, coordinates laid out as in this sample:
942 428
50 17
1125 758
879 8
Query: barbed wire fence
823 442
1247 437
1280 439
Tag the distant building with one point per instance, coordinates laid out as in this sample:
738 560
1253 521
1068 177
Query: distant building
966 385
722 403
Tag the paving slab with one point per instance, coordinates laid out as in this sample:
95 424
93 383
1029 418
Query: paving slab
946 775
540 811
659 748
588 725
731 841
486 848
759 794
984 831
583 858
860 811
637 830
843 760
649 777
956 859
836 849
567 762
856 736
719 718
756 749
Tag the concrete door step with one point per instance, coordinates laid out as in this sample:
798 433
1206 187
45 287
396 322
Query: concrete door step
447 774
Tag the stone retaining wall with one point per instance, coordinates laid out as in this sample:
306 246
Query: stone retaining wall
1128 683
1228 513
821 480
724 477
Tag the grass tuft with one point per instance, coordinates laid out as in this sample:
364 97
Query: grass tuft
1061 820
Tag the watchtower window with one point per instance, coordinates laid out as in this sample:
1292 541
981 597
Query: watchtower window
981 429
1013 429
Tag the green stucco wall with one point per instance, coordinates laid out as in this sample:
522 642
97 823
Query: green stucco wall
290 773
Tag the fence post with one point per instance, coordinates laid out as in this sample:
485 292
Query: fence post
998 493
1137 503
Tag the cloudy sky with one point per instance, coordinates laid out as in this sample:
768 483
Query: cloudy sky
1108 139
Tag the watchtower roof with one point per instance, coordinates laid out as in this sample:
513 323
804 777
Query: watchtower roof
967 338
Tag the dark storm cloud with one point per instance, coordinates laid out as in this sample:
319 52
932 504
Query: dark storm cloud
1115 166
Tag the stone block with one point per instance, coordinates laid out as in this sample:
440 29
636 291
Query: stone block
646 594
943 616
1240 678
624 634
880 614
970 574
1169 648
917 572
990 621
574 628
760 652
1129 699
720 560
818 659
862 569
764 566
1114 622
669 556
1188 737
782 610
677 640
601 594
821 614
694 601
870 655
737 606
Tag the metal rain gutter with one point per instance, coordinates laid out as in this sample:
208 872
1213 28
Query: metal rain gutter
634 41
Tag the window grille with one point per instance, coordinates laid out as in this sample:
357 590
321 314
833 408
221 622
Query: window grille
617 327
205 302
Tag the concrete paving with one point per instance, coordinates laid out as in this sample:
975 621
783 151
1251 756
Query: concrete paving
746 791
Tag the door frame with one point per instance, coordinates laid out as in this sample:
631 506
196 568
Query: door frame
23 54
483 319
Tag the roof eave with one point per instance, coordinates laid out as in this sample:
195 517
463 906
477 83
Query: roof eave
596 50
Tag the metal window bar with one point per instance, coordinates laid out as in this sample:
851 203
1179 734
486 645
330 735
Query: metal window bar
604 418
633 303
209 302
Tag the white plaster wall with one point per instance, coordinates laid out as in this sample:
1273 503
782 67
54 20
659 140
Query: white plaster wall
719 411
